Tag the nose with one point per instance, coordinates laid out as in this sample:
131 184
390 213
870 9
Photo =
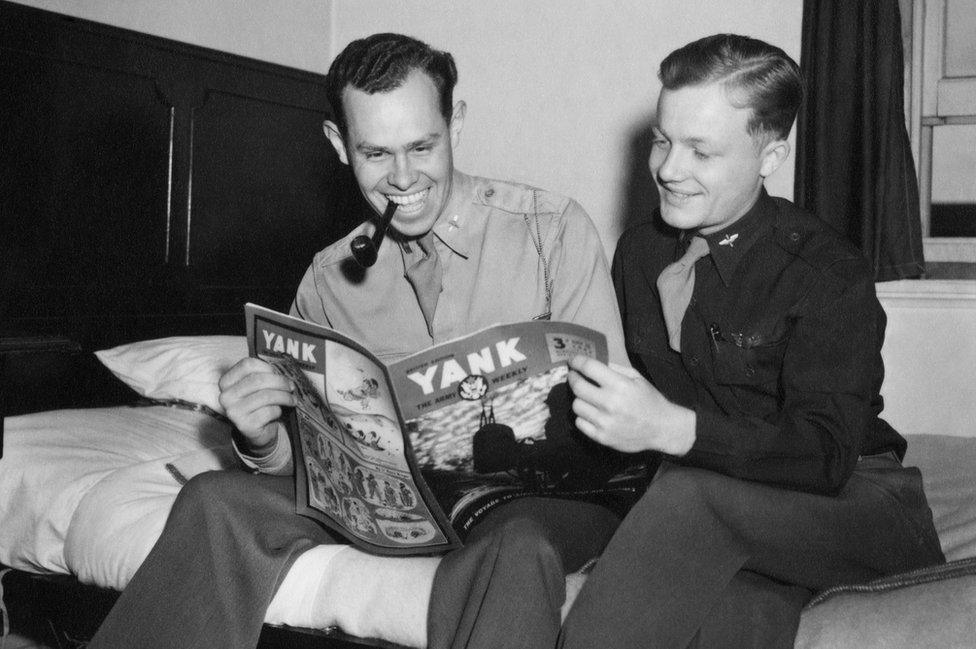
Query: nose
402 176
666 164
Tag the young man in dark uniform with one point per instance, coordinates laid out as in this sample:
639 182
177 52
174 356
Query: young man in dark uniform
756 337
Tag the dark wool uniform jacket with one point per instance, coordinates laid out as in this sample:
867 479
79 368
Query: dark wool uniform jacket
780 347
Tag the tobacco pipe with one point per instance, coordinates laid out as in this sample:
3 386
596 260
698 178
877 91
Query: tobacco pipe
364 249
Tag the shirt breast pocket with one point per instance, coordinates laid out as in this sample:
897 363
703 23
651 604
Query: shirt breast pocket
747 359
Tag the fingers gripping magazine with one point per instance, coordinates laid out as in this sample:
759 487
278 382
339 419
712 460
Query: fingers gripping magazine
382 452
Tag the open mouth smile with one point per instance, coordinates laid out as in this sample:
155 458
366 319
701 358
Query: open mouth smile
409 203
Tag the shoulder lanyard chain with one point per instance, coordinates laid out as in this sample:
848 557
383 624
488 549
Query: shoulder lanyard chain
537 241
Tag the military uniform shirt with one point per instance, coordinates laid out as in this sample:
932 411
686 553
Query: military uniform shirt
486 240
494 240
780 346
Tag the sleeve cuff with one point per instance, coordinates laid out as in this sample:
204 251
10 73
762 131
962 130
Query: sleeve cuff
277 462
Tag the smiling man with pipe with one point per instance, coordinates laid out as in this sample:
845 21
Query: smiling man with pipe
460 253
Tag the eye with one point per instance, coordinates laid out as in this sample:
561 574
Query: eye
660 143
374 155
701 155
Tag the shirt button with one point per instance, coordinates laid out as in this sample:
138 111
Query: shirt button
794 236
750 371
489 192
693 361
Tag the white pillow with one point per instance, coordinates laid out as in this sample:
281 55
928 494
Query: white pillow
181 367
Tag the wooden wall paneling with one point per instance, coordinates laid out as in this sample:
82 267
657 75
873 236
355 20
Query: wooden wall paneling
82 193
151 187
267 189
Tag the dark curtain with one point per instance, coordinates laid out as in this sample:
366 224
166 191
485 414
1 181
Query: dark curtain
854 164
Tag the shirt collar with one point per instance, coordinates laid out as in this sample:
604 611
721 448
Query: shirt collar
451 228
730 245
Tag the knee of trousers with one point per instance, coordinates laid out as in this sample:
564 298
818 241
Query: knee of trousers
688 486
210 493
685 496
524 544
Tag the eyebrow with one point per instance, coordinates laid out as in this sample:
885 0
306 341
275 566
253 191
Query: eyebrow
687 141
366 147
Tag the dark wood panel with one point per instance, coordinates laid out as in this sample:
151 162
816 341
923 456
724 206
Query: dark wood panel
150 187
249 201
83 191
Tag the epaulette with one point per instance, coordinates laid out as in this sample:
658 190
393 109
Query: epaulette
804 236
517 198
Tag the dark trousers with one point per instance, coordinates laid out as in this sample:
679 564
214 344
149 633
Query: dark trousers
231 537
704 560
505 588
227 544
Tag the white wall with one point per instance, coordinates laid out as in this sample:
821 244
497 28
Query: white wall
295 33
557 90
930 355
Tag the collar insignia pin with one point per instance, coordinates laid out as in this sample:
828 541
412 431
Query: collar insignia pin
729 240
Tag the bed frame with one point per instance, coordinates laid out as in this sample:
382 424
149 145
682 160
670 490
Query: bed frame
150 189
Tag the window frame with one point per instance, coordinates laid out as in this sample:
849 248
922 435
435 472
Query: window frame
933 99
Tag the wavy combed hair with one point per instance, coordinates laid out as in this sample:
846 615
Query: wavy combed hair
381 63
756 75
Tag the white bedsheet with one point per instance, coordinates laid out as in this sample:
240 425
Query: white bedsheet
118 519
55 462
87 492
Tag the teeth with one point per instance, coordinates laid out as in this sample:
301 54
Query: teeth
409 199
679 195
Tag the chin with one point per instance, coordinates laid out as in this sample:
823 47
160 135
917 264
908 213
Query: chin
679 219
413 228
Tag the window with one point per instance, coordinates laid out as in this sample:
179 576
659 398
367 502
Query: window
941 114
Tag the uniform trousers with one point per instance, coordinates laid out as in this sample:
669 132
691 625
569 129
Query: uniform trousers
231 537
705 560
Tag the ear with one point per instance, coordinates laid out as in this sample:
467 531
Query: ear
457 121
335 138
772 156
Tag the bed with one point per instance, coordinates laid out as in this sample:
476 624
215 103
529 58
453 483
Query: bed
155 187
84 491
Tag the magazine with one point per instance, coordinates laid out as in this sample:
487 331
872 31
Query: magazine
405 458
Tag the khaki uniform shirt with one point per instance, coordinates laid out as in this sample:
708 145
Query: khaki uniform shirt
497 242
